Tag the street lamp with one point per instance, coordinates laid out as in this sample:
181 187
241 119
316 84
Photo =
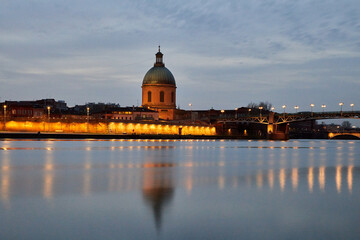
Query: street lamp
284 107
48 108
273 108
352 107
5 117
261 108
87 113
323 107
341 104
312 106
236 109
296 108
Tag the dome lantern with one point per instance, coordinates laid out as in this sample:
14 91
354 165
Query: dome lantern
159 59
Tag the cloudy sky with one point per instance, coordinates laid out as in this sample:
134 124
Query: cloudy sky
223 54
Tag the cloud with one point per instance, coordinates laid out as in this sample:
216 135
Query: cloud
239 50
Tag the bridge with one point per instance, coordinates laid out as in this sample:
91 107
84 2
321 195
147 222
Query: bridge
342 135
277 123
281 118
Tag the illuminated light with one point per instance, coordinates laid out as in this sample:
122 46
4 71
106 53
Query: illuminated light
322 178
48 185
271 178
350 178
311 179
294 178
338 179
282 179
259 179
87 166
221 182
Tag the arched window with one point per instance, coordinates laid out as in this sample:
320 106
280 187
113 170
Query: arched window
149 96
172 97
161 96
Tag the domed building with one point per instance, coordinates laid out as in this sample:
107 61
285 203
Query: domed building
159 89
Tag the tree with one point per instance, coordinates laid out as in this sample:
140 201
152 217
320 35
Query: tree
346 125
266 105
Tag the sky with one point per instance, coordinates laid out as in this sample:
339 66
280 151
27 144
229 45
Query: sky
223 54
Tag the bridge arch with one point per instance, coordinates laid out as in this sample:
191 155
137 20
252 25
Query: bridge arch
354 136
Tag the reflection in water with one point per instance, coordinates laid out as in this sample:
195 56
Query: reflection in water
5 180
48 175
259 179
271 178
350 178
322 178
294 178
282 179
338 179
158 187
311 179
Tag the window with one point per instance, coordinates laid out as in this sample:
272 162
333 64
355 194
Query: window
149 96
161 96
172 97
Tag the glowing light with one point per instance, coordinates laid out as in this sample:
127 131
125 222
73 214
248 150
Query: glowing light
322 178
282 179
294 178
338 179
271 178
311 179
350 178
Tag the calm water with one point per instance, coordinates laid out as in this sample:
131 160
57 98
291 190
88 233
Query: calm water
179 189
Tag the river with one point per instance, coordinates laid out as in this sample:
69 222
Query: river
181 189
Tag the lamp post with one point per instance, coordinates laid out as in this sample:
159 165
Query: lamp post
87 113
296 108
341 104
312 106
272 109
5 117
323 107
236 109
352 107
48 109
260 108
284 107
249 110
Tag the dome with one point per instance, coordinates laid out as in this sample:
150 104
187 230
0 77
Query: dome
159 75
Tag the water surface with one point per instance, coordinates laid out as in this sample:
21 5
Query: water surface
187 189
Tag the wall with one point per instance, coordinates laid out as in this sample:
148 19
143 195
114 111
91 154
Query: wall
103 127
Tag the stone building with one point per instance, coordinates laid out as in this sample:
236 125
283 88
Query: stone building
159 90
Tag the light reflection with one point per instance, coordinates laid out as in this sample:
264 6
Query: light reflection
271 178
294 178
48 176
259 179
322 178
338 179
5 180
311 179
282 179
350 178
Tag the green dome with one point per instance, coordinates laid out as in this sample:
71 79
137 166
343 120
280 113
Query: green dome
159 75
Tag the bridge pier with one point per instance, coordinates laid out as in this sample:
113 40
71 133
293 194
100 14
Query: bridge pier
277 131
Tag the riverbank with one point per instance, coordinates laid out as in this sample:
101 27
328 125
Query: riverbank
51 135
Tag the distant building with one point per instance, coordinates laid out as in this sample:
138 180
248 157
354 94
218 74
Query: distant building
159 90
128 114
33 109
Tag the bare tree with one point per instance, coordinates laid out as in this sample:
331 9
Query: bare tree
266 105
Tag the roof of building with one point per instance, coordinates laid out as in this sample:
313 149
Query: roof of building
159 74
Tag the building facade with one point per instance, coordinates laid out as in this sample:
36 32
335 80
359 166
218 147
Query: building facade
159 89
